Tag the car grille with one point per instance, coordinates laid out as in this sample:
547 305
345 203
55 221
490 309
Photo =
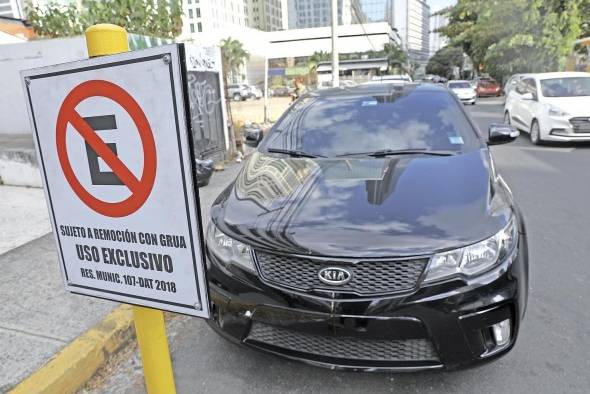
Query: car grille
368 277
581 124
344 347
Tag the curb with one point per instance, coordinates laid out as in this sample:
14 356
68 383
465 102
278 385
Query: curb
69 369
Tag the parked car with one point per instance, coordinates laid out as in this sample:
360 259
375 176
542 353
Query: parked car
238 92
401 250
488 87
464 91
255 93
551 106
282 91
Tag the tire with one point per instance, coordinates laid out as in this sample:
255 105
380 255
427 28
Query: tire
535 133
237 97
507 118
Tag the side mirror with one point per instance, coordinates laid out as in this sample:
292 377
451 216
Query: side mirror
253 137
528 96
500 133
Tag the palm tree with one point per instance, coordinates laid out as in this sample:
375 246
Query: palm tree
233 55
395 55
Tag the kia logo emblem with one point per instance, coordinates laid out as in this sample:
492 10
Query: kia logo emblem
334 276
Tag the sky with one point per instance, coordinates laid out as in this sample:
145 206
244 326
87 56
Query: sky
436 5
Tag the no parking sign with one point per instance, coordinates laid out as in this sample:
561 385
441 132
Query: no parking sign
115 150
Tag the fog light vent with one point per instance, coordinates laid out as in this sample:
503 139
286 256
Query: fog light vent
501 332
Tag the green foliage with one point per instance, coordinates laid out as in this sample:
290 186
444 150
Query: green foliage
160 18
507 37
444 61
317 57
393 52
233 55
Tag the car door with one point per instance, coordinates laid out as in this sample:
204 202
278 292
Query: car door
514 104
529 107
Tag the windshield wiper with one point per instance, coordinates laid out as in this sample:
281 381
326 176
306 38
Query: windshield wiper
293 152
393 152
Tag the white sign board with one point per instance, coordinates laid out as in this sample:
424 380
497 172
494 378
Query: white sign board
114 147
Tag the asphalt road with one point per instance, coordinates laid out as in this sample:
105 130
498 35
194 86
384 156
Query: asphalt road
551 185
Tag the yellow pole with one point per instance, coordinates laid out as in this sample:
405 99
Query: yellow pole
106 39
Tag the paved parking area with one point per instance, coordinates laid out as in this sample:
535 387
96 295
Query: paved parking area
552 188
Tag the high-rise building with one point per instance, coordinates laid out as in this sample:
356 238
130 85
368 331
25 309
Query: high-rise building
266 15
437 40
377 10
207 15
11 9
412 20
318 13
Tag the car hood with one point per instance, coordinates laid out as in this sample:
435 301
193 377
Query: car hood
363 207
575 106
463 91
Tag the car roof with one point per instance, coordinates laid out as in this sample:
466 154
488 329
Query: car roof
377 89
560 74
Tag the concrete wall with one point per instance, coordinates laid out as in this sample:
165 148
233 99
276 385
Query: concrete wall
23 56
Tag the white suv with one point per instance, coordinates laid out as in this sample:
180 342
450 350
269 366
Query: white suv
551 106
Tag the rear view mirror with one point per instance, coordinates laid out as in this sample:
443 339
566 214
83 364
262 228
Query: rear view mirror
528 96
500 133
253 136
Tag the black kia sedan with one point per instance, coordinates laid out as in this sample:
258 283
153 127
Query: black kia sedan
370 231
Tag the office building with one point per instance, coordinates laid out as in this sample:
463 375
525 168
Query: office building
317 13
377 10
411 18
437 40
208 15
266 15
11 9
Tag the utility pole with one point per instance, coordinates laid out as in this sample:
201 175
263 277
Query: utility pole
265 89
335 67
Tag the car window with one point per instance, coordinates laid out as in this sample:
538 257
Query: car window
530 85
566 87
335 125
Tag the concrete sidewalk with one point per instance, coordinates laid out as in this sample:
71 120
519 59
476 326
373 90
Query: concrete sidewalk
38 317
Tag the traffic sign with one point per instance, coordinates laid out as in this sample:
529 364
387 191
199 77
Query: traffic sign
114 145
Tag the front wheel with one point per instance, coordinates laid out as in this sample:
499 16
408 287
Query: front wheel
536 133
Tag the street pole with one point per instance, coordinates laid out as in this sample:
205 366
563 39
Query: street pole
265 88
335 67
150 329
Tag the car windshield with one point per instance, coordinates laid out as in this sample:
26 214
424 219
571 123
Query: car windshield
566 87
339 125
459 85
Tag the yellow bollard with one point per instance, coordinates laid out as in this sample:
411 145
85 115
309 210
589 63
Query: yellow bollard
106 39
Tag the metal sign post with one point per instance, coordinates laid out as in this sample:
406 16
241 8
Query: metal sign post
113 139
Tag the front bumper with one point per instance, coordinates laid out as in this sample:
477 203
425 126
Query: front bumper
559 128
444 325
468 100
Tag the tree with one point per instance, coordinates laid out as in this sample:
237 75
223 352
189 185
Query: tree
444 61
160 18
233 55
317 57
506 37
396 56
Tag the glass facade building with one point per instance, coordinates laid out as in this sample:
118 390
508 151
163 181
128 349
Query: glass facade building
377 10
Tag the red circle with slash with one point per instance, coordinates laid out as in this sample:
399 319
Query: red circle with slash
140 188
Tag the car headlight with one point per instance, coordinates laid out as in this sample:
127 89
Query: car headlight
474 259
229 250
556 111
